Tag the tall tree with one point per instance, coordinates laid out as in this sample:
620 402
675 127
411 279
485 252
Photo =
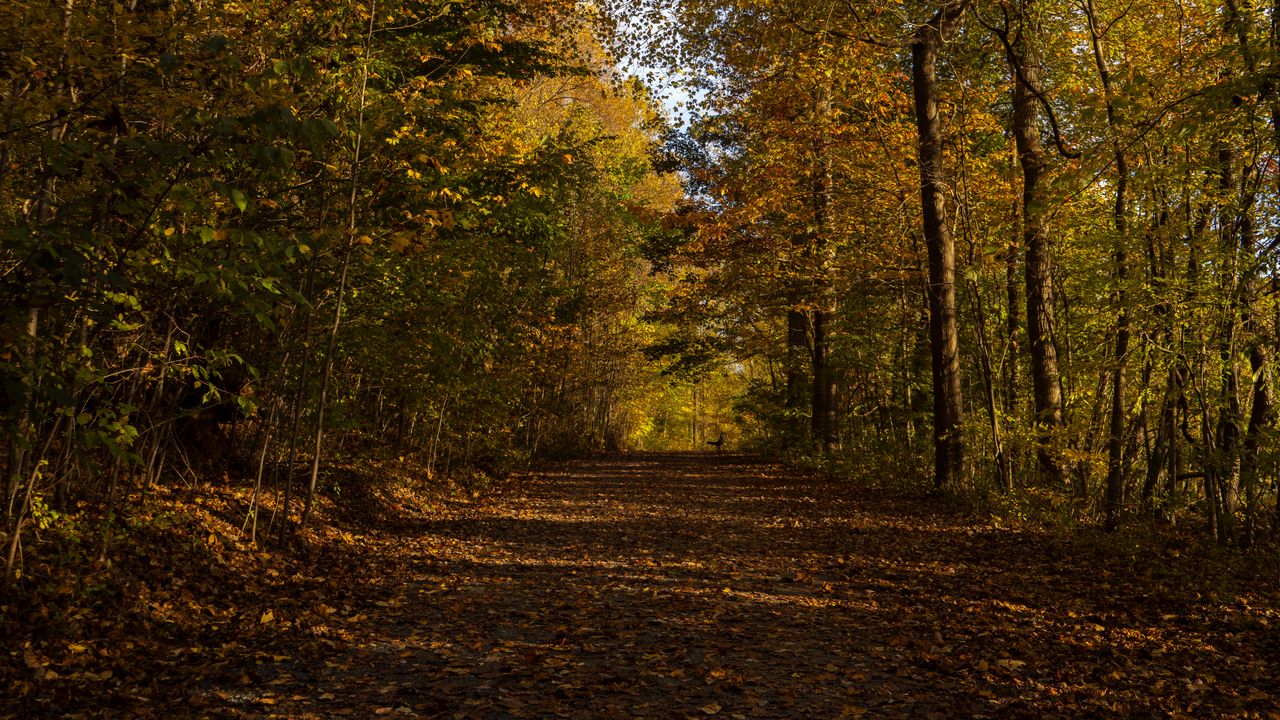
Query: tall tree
1019 35
1113 498
944 343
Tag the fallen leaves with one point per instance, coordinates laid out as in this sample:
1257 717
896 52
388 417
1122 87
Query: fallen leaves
659 587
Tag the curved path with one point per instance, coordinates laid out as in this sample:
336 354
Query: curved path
673 586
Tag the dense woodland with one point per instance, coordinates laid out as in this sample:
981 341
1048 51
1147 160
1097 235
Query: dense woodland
250 240
289 289
1004 249
1030 245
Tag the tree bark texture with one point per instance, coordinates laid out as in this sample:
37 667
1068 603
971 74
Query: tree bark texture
940 292
1046 383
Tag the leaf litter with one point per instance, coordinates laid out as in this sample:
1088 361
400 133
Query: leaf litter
674 586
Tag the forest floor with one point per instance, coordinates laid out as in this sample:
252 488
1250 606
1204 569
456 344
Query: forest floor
674 586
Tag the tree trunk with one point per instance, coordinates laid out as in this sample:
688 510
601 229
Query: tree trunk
1046 383
823 400
1260 419
824 409
940 292
1013 331
797 358
1223 469
799 364
299 401
1004 471
1161 466
342 273
1113 499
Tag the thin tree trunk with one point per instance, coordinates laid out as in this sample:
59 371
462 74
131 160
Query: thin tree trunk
824 411
254 502
15 534
1223 470
1013 302
1260 419
905 351
1160 466
25 424
823 400
1004 471
353 217
304 378
797 350
1113 499
43 214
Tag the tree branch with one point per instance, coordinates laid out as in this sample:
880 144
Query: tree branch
1016 63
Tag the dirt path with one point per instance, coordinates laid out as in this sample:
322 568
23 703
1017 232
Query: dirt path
696 586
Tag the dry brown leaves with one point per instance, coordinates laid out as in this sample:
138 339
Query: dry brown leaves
658 586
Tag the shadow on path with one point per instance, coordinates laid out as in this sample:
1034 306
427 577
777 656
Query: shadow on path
669 586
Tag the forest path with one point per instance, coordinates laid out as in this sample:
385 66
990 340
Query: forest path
676 586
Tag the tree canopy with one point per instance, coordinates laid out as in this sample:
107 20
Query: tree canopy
1013 232
986 246
275 274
